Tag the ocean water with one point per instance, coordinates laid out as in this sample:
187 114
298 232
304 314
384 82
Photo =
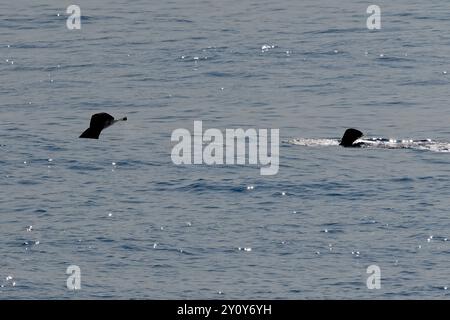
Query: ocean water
140 227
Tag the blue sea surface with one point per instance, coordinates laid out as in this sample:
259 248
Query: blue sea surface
140 227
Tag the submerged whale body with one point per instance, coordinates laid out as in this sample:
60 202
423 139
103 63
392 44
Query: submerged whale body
99 121
354 138
349 137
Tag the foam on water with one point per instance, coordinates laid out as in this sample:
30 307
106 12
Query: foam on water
308 142
381 143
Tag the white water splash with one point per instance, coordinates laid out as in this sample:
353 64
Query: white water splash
382 143
313 142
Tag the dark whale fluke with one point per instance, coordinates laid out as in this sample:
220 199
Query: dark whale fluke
350 136
99 121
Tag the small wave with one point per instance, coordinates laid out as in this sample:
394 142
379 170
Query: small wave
313 142
378 143
437 147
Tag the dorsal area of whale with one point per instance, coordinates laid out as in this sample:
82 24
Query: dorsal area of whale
349 137
353 138
99 121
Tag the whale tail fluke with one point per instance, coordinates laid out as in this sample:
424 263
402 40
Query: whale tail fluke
90 133
99 121
123 119
350 136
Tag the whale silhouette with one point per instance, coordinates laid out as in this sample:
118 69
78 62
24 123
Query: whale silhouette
349 137
99 121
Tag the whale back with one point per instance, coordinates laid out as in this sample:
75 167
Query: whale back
350 136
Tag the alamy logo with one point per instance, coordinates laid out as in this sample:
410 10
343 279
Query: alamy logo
74 280
374 280
74 20
234 143
374 21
